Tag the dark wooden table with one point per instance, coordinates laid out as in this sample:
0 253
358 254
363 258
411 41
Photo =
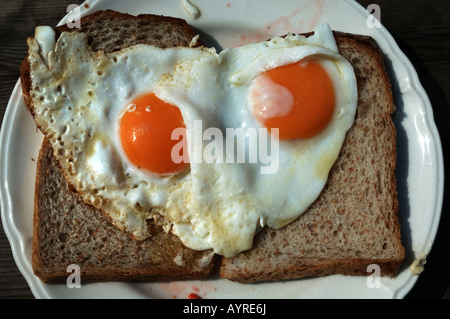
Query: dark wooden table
421 29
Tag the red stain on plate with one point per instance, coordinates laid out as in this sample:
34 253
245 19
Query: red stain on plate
194 296
183 290
293 22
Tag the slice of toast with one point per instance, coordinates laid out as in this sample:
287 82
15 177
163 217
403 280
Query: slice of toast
354 221
66 230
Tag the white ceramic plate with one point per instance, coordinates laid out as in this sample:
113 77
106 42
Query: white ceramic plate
230 23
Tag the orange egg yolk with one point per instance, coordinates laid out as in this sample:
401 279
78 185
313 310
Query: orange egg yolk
145 131
298 99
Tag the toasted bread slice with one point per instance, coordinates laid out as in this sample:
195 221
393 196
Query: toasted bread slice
354 221
66 230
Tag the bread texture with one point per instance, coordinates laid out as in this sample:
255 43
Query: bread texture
354 221
68 231
111 31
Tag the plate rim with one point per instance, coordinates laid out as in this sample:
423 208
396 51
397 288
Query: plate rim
432 129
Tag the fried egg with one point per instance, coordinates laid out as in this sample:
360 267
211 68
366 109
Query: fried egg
255 130
84 103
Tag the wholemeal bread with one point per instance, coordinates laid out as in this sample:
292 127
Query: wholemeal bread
351 225
354 221
68 231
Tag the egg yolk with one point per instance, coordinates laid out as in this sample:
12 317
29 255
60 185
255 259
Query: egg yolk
297 98
145 131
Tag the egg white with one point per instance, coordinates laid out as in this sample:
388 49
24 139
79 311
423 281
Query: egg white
78 97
